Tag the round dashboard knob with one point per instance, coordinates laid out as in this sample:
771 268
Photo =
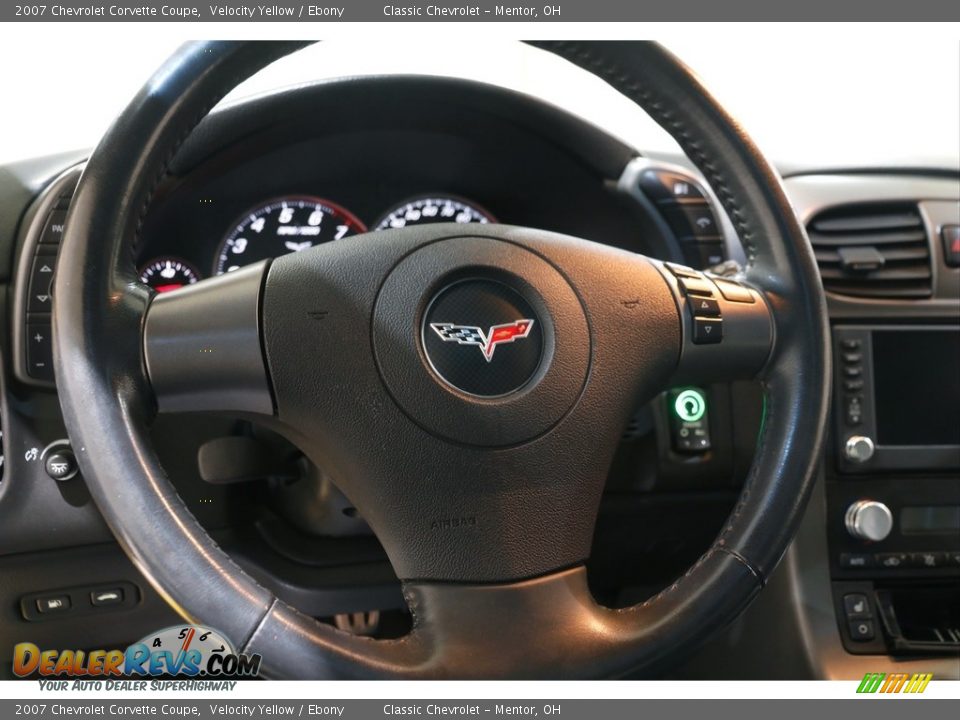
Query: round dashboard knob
859 448
869 520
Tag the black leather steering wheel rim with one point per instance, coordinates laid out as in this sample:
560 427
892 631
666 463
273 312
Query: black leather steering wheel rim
460 629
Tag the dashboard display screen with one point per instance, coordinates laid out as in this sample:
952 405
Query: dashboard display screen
916 379
930 519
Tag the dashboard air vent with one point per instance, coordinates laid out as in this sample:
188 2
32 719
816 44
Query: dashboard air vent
872 251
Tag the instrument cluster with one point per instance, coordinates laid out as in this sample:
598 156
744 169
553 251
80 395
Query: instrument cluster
294 223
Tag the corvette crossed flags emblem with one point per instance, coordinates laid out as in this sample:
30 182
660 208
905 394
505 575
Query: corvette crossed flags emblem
486 341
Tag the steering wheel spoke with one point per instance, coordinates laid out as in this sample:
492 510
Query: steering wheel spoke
202 348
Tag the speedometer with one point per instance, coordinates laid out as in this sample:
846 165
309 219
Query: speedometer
282 226
433 209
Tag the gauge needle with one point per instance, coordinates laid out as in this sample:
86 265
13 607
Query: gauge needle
297 246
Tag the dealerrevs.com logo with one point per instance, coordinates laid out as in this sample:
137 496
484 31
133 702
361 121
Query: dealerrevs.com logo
188 651
888 683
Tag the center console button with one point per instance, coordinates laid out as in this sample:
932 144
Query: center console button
893 560
856 561
861 630
927 559
856 605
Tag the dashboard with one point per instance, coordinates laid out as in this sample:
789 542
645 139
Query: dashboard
323 163
391 153
292 223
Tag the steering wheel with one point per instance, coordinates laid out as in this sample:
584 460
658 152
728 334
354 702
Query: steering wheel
465 387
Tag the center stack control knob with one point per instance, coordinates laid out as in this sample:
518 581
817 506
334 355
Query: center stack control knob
869 520
858 448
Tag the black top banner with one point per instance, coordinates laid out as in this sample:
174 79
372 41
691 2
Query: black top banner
483 11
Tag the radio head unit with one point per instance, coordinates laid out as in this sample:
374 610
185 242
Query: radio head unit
897 398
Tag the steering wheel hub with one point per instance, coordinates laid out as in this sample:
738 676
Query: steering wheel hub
480 340
464 326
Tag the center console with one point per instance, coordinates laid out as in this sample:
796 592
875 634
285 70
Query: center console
893 491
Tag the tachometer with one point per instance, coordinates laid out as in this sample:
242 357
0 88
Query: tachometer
282 226
164 274
433 209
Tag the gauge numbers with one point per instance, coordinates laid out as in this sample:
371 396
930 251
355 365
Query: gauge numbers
165 274
282 226
436 209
